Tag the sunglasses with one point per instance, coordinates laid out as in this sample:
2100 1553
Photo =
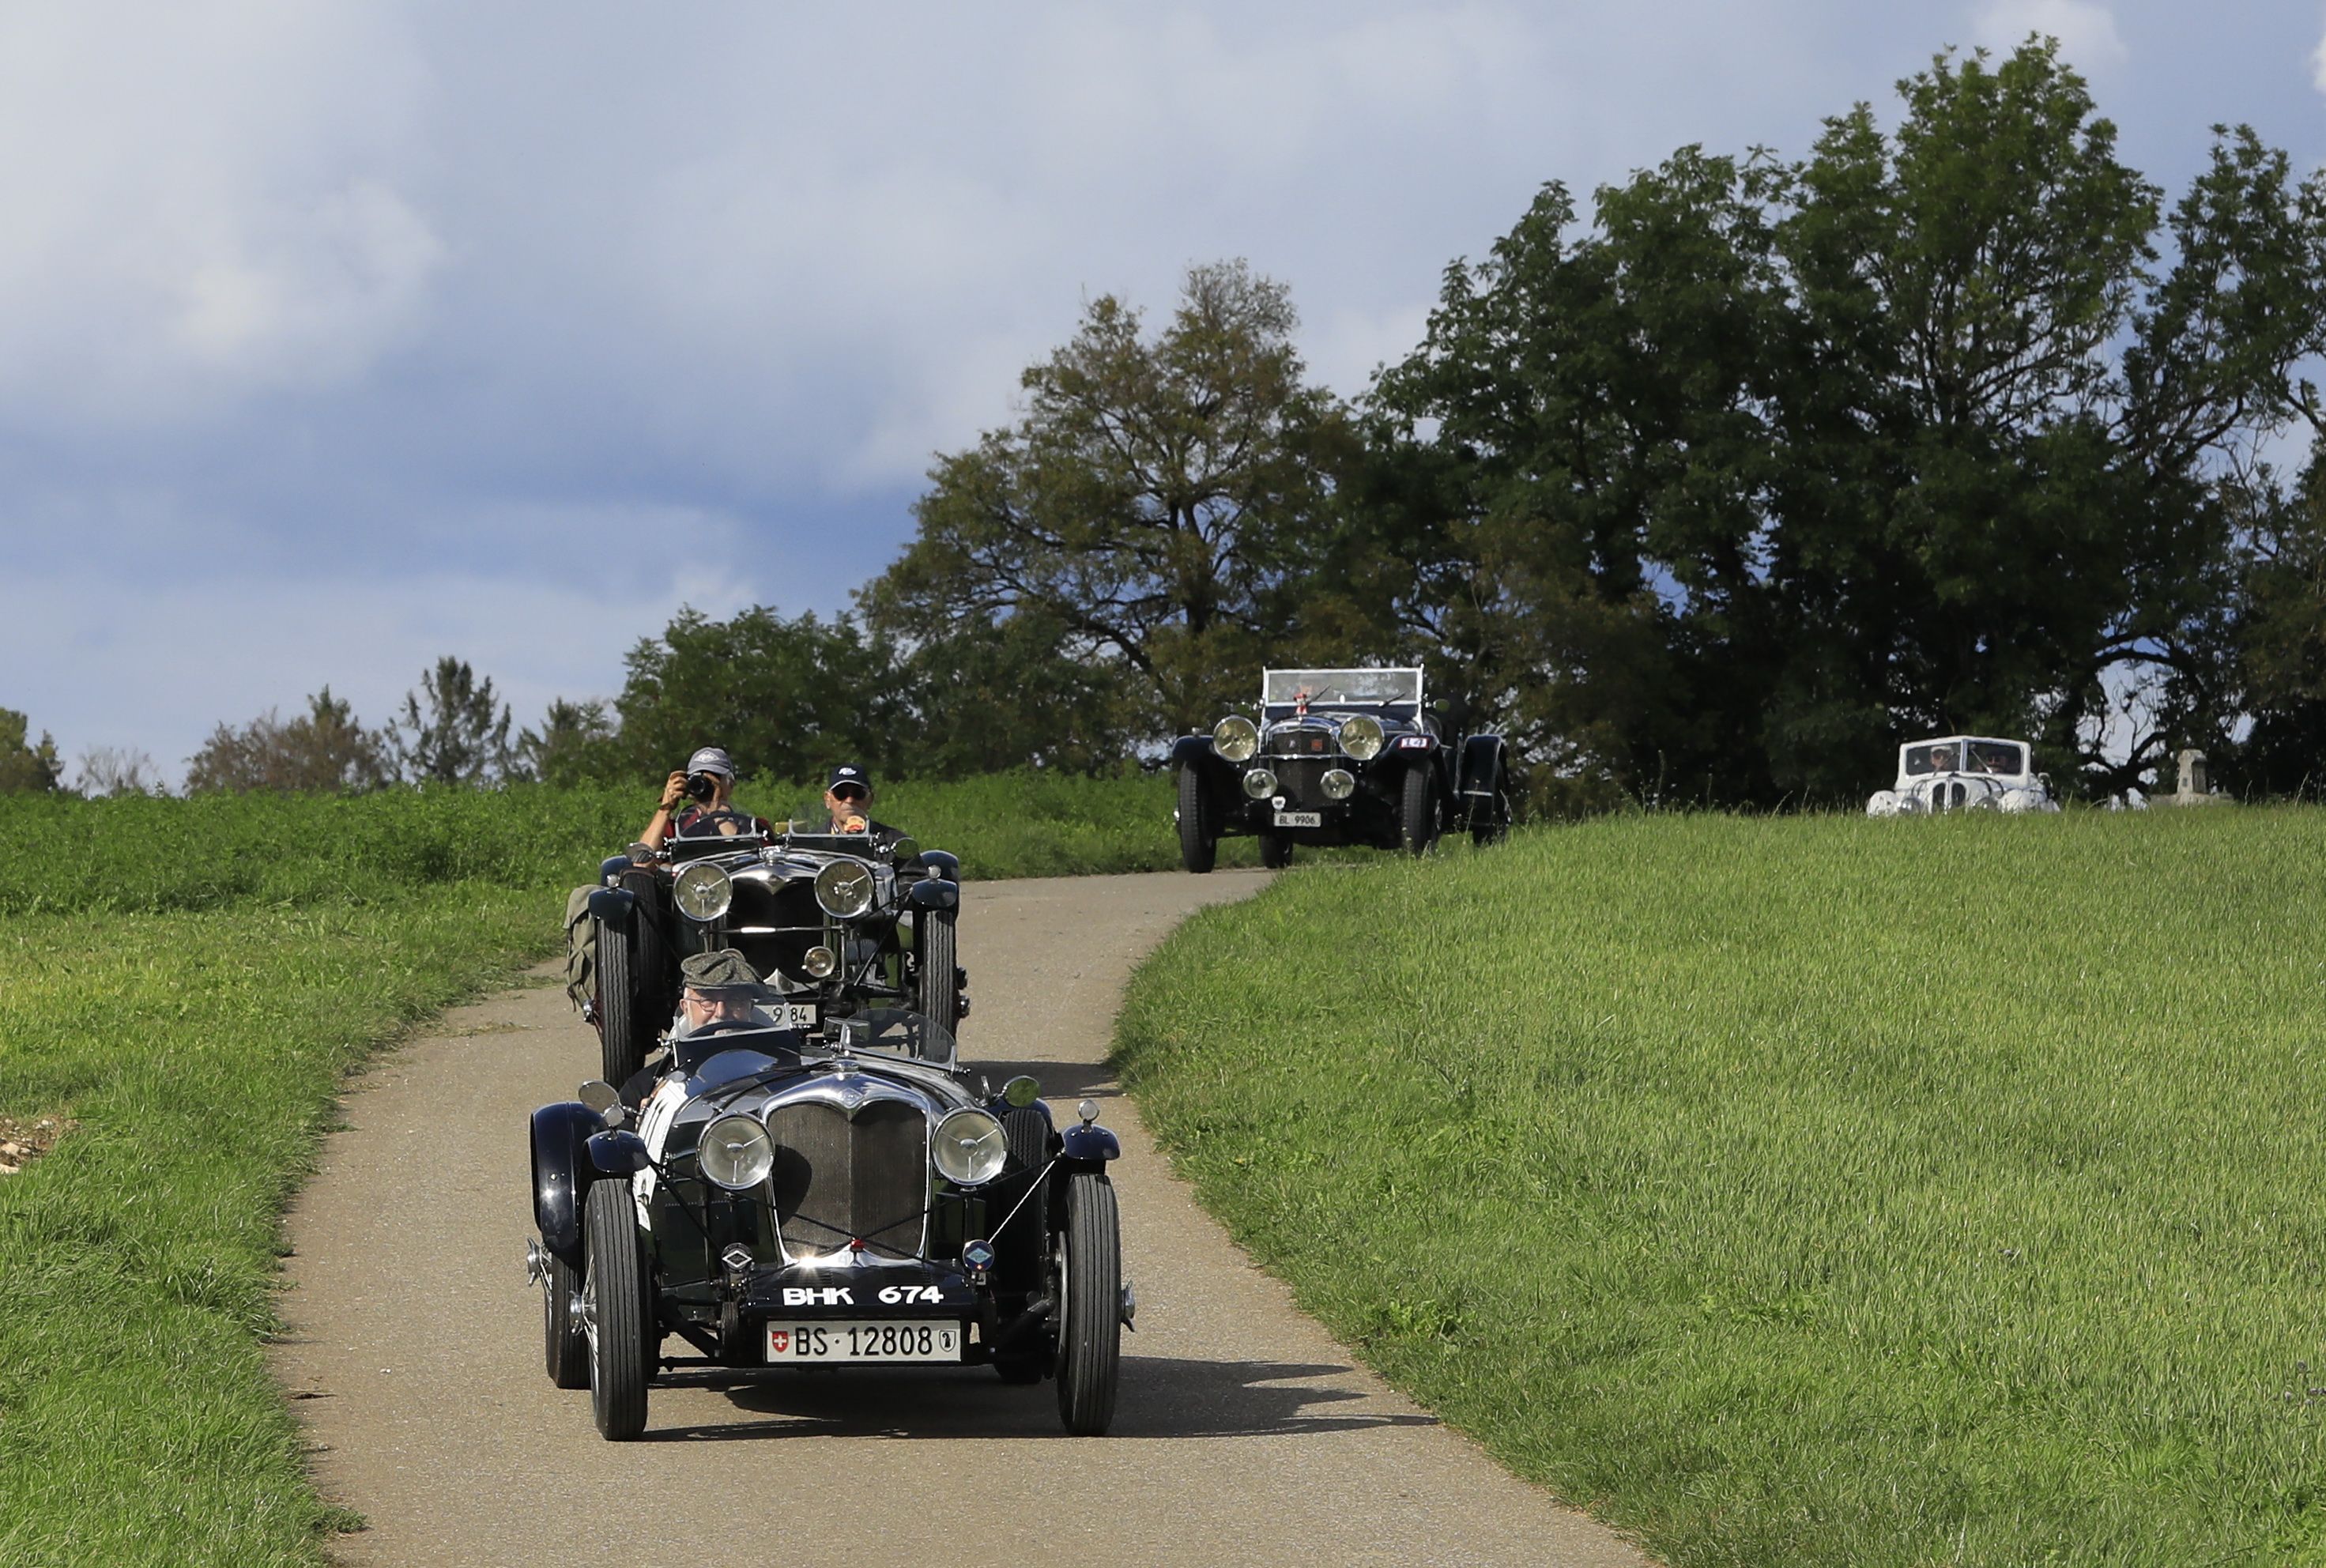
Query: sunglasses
848 793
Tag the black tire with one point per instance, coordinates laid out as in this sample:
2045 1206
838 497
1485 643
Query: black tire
1089 1306
567 1347
1417 811
1199 835
614 1284
634 985
936 984
1490 822
1275 850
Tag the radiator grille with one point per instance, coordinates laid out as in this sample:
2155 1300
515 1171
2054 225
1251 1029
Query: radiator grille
838 1178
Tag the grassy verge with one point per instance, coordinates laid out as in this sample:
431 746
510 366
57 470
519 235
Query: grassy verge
200 1053
1804 1192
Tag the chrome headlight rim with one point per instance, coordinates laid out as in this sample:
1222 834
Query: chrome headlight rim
736 1152
818 961
1338 783
840 895
702 891
1361 736
1259 784
1235 739
969 1148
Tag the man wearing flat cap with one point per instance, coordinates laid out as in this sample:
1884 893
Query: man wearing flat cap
848 799
708 783
718 988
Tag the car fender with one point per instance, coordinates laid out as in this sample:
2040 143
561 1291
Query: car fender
1195 751
562 1174
934 892
941 863
1483 760
1088 1145
611 907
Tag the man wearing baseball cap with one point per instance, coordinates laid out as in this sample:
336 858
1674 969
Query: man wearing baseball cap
708 781
848 800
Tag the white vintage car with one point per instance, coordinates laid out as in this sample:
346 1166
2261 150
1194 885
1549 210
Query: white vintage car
1958 773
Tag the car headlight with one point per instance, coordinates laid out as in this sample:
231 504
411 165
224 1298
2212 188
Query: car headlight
970 1149
1235 739
843 889
819 962
1259 784
1360 737
702 891
736 1153
1338 783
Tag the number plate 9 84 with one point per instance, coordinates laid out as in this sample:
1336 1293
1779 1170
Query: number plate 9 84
843 1341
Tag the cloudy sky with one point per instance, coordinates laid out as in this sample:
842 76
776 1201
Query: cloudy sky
336 337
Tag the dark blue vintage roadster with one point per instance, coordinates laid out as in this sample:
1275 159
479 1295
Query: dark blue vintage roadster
842 1195
1337 756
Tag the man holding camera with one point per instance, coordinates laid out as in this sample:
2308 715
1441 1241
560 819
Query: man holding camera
707 783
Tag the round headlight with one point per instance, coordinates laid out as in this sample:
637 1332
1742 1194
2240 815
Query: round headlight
843 889
819 962
1259 784
1360 737
1338 783
702 891
736 1153
1235 739
970 1149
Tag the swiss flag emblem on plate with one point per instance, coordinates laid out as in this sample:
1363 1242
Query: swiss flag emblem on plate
778 1341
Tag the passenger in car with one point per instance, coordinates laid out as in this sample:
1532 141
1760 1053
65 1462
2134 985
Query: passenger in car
708 781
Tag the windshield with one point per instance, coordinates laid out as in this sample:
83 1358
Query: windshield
1340 688
1934 757
721 824
764 1017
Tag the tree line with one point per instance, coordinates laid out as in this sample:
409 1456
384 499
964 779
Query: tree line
1714 489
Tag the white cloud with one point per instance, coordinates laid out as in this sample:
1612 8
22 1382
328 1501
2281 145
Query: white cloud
202 203
2085 29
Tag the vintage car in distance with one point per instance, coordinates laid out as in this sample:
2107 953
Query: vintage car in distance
846 1196
1337 756
837 921
1963 773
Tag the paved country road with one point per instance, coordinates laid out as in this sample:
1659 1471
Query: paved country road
1243 1434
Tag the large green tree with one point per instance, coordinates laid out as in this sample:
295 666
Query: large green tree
785 697
1773 465
1147 521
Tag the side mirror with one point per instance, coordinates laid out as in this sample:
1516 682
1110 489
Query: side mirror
620 1154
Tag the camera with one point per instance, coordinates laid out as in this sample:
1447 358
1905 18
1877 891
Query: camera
701 786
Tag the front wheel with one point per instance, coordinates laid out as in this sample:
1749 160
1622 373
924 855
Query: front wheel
1417 808
1199 835
566 1346
937 983
617 1312
1090 1305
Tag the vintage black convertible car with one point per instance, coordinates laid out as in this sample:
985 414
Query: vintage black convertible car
836 920
1337 756
845 1196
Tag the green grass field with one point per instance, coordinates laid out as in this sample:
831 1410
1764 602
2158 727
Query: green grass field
1811 1190
188 981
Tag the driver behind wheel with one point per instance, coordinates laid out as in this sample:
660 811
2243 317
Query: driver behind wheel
848 801
708 783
